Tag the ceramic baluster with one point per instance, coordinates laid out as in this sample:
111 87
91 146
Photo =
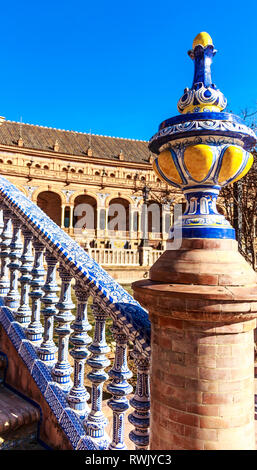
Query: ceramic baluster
35 329
23 314
6 238
62 370
140 418
96 421
12 299
119 388
80 339
47 349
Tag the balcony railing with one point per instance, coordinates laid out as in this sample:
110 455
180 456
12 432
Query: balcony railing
114 257
48 329
119 234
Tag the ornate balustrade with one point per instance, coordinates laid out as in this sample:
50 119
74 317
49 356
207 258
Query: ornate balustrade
114 257
154 255
49 326
59 175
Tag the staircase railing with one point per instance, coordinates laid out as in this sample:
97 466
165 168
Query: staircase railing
52 338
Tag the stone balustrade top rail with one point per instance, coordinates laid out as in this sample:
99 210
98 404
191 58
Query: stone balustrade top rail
66 364
109 294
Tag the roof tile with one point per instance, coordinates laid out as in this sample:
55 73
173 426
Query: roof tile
73 143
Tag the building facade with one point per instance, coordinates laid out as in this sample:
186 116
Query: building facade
94 187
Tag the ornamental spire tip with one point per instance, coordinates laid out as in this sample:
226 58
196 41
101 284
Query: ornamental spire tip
202 39
203 96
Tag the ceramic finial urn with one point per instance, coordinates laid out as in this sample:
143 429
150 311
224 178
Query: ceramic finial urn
202 149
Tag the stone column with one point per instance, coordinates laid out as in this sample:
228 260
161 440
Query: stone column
202 302
166 212
101 205
62 216
97 222
71 217
139 223
106 223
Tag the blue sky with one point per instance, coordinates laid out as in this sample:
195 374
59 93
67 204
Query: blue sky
118 68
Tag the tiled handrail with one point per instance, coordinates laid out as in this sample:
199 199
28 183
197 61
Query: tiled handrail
42 237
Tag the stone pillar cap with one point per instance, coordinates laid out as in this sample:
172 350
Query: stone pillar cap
204 262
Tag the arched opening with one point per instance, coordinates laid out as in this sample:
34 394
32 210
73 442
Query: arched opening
66 217
50 203
118 215
154 218
85 213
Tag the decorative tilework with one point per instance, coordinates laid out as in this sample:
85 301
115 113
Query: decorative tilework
28 353
128 315
224 126
5 317
15 333
86 444
81 266
41 375
72 426
56 399
205 149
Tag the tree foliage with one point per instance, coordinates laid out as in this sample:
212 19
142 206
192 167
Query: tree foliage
240 204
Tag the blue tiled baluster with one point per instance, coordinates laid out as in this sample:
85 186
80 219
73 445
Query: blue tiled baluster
47 349
6 237
119 388
140 418
96 421
61 371
12 299
78 395
35 329
23 314
1 223
121 307
1 217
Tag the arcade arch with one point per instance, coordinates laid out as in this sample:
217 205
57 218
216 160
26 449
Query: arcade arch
118 215
154 217
50 202
85 212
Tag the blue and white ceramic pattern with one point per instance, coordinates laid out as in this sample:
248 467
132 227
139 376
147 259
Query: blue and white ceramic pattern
84 427
131 316
202 149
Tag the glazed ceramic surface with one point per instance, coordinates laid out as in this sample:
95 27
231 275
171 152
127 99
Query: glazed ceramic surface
203 148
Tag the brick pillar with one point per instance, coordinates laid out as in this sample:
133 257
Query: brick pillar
202 372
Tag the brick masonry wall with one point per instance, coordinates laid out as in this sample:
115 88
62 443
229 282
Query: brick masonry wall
202 388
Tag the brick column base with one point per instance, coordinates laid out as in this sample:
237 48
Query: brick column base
202 368
202 388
